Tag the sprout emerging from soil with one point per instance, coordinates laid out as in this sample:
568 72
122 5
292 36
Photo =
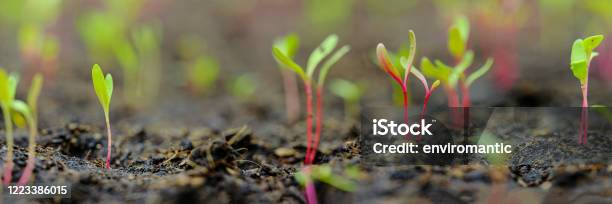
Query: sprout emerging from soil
104 90
428 90
8 85
400 76
582 54
321 52
289 45
28 111
350 93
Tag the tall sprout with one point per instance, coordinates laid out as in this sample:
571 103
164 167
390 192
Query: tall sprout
8 85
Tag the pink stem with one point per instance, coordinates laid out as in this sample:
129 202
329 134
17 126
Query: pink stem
291 96
308 90
584 114
318 119
27 172
108 147
310 191
405 94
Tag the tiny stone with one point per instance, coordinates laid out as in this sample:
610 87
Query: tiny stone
284 152
186 144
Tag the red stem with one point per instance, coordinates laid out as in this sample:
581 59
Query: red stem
584 116
308 90
427 95
466 100
318 120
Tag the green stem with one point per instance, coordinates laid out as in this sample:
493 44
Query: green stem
27 172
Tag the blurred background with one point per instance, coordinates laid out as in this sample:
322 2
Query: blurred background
209 62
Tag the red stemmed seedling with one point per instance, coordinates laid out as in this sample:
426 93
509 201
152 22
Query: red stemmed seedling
307 76
582 54
103 85
428 90
400 76
289 45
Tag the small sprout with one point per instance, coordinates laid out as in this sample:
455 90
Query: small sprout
243 87
350 93
398 75
29 112
289 45
202 74
8 86
582 54
104 90
452 77
325 174
428 90
321 52
324 49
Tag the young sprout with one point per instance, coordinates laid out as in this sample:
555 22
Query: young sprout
350 93
104 90
399 75
8 85
428 90
326 48
582 54
289 45
243 87
203 73
29 112
453 76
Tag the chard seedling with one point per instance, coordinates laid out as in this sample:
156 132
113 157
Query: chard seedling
203 73
400 76
104 90
350 93
321 52
428 89
28 111
8 86
243 87
289 45
452 77
582 54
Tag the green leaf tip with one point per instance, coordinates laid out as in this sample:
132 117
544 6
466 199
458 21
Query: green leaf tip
288 44
324 49
288 63
458 36
480 72
582 53
330 62
103 86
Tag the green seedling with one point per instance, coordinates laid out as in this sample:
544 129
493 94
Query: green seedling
289 45
582 54
453 77
243 87
104 90
203 73
325 49
8 86
400 76
321 52
324 173
350 93
29 112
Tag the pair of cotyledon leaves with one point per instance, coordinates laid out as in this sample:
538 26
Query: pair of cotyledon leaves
103 86
283 54
582 53
8 87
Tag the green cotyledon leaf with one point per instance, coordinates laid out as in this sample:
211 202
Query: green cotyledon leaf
579 61
287 62
103 86
326 47
288 44
4 87
480 72
590 43
330 62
